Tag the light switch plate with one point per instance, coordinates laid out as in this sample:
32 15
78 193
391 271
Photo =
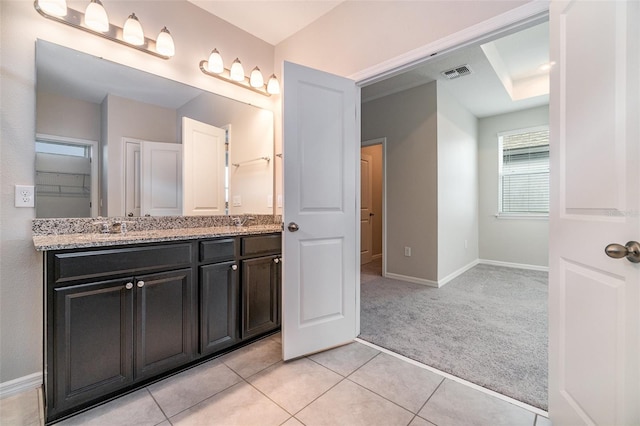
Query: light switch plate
237 201
25 196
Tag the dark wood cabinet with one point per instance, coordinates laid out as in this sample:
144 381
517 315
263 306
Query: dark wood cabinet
120 317
218 306
165 316
92 342
260 283
260 295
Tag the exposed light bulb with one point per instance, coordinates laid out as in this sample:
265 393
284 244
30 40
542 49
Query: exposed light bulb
215 64
95 17
132 32
164 43
256 79
236 72
273 87
53 7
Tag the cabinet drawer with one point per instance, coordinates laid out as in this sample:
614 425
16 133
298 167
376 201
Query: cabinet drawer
130 260
217 250
261 244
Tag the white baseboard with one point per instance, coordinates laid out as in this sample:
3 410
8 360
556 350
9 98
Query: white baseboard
455 274
21 384
411 279
514 265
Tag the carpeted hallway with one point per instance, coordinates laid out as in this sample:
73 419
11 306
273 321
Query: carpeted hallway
487 326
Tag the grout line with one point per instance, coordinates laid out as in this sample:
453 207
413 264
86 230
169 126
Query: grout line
157 403
520 404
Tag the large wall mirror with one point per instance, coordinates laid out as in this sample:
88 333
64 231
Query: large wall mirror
116 141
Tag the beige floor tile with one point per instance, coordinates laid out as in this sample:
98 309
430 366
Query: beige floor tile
345 359
137 408
184 390
277 338
419 421
350 404
292 422
456 404
294 384
253 358
542 421
21 409
240 405
401 382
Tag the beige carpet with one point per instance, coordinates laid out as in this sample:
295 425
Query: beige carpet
487 326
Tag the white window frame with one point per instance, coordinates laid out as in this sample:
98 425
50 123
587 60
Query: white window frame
511 215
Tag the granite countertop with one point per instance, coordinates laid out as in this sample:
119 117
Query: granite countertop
84 240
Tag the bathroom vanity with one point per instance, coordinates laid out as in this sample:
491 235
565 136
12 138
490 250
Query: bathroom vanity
122 310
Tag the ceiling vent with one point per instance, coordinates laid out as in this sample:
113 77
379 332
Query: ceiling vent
456 72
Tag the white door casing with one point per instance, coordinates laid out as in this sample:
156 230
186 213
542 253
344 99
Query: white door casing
594 300
321 260
366 208
161 179
132 196
203 168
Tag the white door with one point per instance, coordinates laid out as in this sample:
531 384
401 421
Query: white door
366 209
132 196
594 300
321 152
161 179
203 168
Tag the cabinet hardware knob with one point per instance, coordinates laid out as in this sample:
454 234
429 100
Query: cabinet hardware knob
276 260
140 284
128 286
234 267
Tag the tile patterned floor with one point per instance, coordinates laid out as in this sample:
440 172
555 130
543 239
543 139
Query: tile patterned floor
351 385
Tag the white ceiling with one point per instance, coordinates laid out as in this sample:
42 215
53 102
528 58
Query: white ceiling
271 21
491 88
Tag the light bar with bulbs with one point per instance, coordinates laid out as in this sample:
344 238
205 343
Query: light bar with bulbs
214 67
95 21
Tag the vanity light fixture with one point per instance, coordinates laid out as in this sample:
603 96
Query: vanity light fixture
132 31
95 17
95 21
215 68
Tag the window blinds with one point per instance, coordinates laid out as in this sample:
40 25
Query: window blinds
524 177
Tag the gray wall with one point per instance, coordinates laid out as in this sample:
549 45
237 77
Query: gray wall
499 238
132 119
457 186
62 116
408 120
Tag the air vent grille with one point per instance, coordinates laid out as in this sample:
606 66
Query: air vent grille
456 72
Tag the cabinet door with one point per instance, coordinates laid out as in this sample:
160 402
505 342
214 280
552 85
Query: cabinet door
218 306
260 295
164 321
91 337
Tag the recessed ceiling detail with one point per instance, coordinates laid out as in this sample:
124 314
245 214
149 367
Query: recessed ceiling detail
459 71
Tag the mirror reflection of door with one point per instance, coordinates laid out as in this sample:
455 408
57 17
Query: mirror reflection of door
66 177
153 178
366 209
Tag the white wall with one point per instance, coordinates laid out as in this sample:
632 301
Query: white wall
522 241
195 33
408 120
457 186
62 116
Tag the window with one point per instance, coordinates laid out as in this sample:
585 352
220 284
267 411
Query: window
524 172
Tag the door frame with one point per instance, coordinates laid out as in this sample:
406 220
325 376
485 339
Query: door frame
504 24
383 142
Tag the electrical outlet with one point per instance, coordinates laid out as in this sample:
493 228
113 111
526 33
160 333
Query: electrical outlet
237 201
269 201
25 196
407 251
